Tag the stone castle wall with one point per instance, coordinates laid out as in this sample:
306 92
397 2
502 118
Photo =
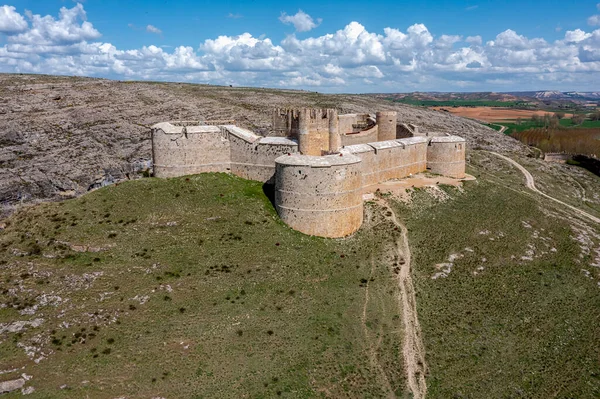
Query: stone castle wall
446 156
386 120
314 193
252 156
313 131
366 136
394 159
405 130
354 123
184 150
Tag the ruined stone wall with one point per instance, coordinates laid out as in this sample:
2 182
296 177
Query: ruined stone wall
179 150
353 123
253 157
557 157
446 156
285 122
367 136
320 196
393 159
405 130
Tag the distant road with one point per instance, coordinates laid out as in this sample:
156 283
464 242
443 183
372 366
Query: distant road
530 183
502 127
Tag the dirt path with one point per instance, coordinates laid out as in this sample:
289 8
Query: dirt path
413 350
530 183
502 128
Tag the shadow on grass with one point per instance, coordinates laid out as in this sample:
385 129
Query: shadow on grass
269 191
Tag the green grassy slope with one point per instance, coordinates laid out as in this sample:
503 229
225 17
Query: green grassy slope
504 299
192 288
197 290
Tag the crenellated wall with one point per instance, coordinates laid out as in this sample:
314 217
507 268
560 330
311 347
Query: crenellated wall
313 131
316 194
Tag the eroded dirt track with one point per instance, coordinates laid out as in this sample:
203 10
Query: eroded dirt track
530 183
413 349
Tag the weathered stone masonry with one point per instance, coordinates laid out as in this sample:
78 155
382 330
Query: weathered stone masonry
320 162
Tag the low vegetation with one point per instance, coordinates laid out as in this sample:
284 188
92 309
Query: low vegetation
507 305
191 288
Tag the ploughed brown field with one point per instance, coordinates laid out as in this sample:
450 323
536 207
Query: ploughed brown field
492 114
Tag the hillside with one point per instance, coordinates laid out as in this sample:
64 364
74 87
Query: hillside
62 136
192 287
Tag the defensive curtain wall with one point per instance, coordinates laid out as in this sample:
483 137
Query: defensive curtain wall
320 162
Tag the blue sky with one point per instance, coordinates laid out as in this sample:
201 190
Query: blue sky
335 46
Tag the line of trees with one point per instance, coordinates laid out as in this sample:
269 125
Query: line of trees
572 141
553 120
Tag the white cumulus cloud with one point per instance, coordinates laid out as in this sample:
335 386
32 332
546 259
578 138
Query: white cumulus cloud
71 27
302 21
576 36
349 59
11 21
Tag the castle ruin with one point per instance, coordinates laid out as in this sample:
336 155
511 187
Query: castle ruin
320 162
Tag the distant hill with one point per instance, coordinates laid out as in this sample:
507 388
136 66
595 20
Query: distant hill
545 99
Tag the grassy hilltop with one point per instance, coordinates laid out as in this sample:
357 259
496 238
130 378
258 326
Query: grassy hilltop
192 287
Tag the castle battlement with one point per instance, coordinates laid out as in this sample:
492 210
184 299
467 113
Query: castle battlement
320 162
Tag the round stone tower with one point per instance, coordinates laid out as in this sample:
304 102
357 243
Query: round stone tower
319 196
335 140
446 156
386 125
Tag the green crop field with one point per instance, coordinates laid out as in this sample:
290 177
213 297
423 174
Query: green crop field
526 124
567 122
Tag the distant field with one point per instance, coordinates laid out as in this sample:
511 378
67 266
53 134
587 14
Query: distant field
585 124
459 103
492 114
